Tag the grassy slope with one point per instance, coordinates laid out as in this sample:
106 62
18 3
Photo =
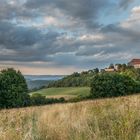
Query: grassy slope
106 119
69 91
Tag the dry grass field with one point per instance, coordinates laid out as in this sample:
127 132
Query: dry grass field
106 119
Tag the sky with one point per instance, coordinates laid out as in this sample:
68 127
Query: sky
64 36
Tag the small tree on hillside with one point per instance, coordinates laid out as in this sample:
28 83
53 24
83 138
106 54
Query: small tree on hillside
13 89
96 70
111 66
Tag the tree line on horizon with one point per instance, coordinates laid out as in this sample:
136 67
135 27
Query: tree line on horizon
84 78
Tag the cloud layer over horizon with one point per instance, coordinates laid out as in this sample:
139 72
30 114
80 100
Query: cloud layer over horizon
63 36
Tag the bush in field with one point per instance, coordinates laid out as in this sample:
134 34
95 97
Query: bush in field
38 99
62 99
112 85
13 89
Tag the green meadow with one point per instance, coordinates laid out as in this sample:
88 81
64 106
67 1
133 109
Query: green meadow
64 92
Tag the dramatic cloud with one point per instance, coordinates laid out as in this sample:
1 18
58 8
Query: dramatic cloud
68 35
125 3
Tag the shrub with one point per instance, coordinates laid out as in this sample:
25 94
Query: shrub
38 99
62 99
137 87
112 85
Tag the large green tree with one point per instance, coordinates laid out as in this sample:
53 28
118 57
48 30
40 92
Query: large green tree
13 89
112 85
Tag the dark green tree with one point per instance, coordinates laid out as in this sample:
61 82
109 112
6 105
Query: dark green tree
112 85
96 70
13 89
38 99
111 66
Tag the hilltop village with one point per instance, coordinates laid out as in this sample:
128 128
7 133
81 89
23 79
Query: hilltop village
133 63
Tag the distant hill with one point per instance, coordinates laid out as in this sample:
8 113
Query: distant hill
38 81
82 79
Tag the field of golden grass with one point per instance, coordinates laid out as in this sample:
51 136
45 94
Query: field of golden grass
106 119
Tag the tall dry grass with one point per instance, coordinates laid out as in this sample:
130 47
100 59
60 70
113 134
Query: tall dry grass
109 119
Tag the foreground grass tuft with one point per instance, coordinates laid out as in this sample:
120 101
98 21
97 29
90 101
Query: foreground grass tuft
108 119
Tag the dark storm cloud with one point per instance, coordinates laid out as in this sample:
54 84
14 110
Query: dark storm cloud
82 11
118 32
17 37
24 44
11 10
125 3
85 13
30 44
76 8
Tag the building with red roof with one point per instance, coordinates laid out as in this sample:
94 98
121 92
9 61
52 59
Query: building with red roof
135 63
